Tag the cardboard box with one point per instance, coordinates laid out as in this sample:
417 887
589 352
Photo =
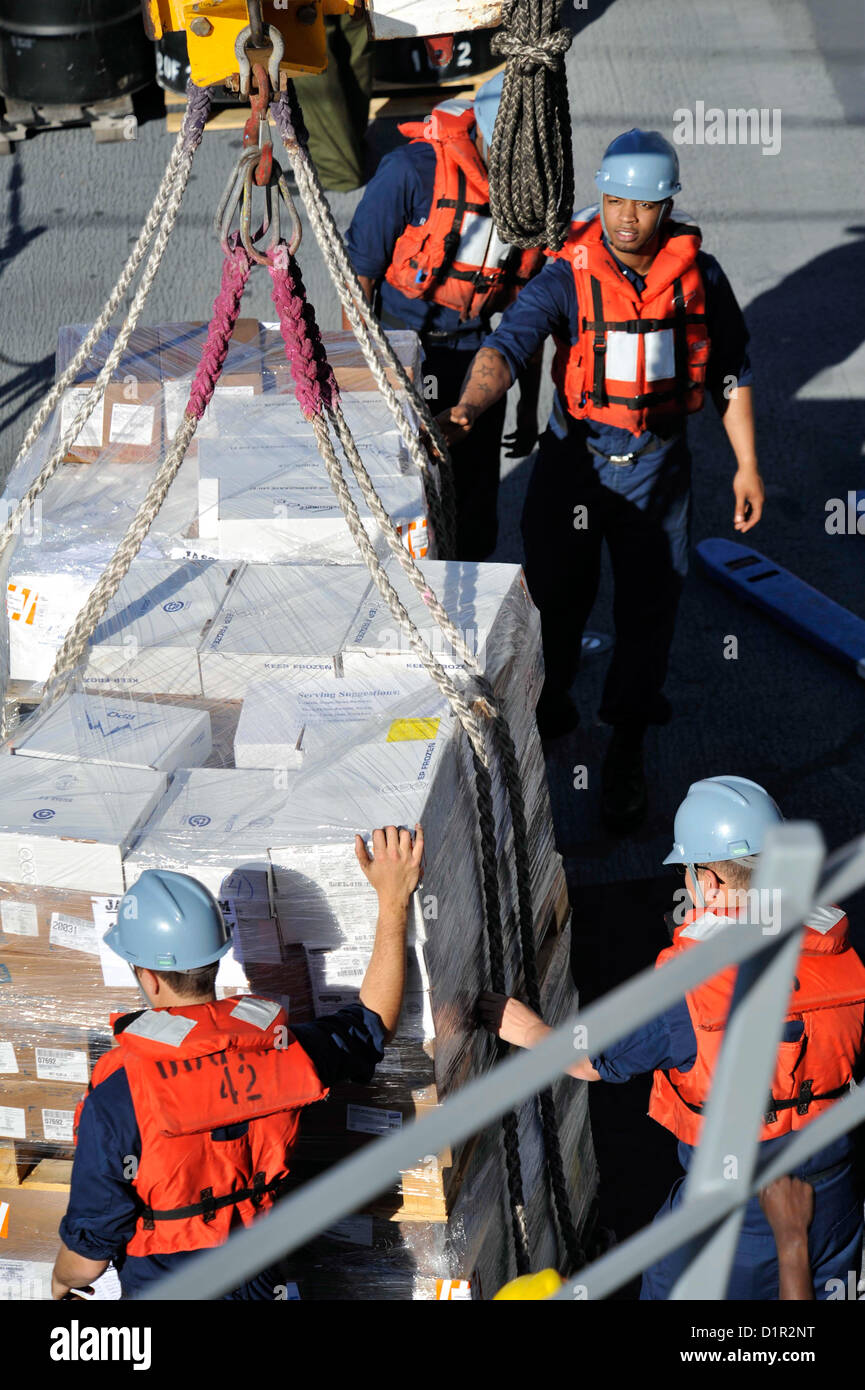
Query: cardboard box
181 346
47 920
44 596
284 721
149 638
39 1111
68 825
140 359
126 427
111 729
345 356
279 618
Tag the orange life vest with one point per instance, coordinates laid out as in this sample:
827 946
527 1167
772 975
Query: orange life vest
455 258
810 1073
195 1069
639 360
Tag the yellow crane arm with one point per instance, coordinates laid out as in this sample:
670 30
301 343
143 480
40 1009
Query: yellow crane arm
212 27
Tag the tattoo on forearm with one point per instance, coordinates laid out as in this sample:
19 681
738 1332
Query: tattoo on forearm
487 377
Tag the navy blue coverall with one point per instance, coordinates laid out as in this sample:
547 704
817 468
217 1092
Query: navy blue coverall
643 506
835 1235
400 195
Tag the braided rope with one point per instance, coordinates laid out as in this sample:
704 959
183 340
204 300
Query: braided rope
503 741
483 784
164 211
187 142
304 357
530 162
226 309
377 350
188 138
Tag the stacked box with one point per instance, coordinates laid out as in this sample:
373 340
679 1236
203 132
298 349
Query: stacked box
277 505
242 719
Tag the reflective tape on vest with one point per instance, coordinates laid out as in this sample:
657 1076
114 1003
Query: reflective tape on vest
161 1027
259 1012
660 355
480 243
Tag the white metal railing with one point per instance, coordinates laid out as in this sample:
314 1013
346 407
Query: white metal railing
794 869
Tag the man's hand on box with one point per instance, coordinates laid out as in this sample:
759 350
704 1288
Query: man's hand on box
394 869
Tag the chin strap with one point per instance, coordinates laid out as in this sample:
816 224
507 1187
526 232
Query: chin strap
699 899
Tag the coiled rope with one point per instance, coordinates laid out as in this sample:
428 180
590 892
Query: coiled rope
530 162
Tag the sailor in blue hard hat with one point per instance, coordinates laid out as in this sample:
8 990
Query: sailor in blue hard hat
190 1119
722 827
646 326
428 258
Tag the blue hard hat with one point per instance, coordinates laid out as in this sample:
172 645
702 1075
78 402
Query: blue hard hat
487 102
169 921
722 818
640 164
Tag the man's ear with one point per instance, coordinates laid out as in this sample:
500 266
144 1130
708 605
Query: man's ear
668 210
711 884
148 980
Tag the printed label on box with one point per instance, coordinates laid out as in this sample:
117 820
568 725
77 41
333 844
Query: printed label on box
21 604
90 434
131 424
25 1279
454 1290
116 973
12 1122
364 1119
57 1125
53 1064
19 919
8 1060
78 933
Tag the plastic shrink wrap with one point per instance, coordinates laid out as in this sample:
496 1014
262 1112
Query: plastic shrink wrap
241 721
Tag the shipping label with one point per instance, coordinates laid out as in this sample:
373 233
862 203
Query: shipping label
57 1125
60 1064
365 1119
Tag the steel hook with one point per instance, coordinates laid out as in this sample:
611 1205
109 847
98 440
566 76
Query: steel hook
277 52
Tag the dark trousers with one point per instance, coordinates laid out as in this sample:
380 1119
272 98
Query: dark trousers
476 462
335 103
834 1245
641 510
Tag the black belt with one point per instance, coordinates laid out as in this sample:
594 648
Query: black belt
621 459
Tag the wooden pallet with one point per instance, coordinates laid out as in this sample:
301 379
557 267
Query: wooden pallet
21 1166
389 100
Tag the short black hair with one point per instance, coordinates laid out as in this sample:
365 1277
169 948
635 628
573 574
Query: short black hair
190 984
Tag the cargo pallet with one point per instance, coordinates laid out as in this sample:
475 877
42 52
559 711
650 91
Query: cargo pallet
110 121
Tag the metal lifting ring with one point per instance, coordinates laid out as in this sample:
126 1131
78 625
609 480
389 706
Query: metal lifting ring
238 196
277 52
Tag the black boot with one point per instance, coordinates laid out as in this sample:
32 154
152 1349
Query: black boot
556 714
624 797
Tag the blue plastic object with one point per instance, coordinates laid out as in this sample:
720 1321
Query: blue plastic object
722 818
788 599
641 165
169 921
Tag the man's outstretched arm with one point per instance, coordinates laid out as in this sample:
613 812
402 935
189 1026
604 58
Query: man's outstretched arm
394 872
